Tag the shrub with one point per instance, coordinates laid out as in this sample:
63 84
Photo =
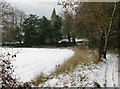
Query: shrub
7 79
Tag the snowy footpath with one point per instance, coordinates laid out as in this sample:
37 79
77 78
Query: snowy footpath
30 62
107 75
103 74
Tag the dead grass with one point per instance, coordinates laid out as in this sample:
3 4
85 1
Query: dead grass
82 55
40 78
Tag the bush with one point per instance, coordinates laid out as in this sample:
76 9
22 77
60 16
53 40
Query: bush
7 79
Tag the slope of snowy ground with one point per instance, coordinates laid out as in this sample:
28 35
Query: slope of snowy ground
30 62
104 74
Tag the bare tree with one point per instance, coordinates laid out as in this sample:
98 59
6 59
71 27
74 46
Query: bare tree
11 18
95 14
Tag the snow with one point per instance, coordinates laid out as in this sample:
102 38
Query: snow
104 74
79 40
30 62
63 40
76 39
109 72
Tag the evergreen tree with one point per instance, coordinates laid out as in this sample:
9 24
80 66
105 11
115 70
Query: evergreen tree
29 29
45 30
57 25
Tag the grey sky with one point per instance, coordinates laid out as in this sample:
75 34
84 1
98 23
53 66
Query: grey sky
41 7
38 7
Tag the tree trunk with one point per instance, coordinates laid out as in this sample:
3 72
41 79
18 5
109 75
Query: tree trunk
105 47
68 37
104 55
74 41
100 53
101 45
108 33
119 32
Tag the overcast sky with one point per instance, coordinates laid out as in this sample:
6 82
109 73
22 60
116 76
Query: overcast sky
38 7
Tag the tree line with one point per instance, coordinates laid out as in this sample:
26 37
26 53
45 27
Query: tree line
28 29
41 31
96 21
11 18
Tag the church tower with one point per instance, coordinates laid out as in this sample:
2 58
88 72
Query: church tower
53 16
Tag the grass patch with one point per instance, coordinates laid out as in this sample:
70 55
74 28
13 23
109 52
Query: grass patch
40 78
82 55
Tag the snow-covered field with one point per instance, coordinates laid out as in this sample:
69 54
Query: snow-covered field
104 74
30 62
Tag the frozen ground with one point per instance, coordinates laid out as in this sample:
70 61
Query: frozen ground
30 62
104 74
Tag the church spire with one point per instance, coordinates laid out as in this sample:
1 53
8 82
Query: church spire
53 16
